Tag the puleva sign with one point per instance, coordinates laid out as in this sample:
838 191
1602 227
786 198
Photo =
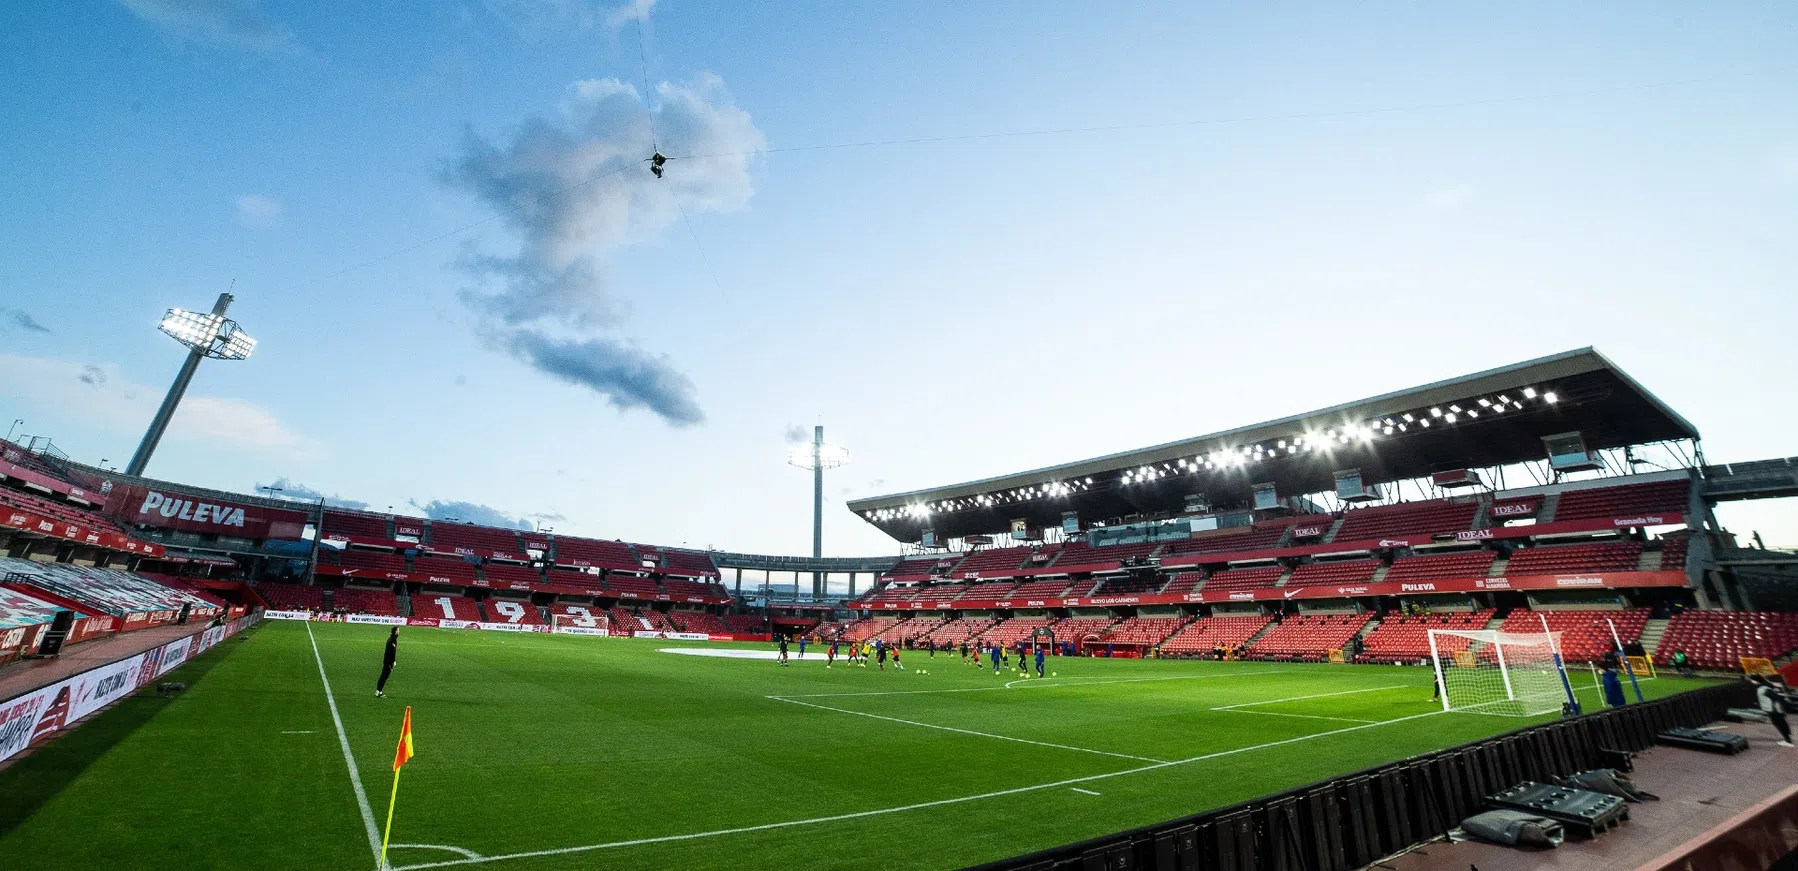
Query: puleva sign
191 510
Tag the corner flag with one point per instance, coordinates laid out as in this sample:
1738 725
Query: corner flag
401 756
405 749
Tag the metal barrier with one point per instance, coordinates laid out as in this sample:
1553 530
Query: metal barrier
1354 820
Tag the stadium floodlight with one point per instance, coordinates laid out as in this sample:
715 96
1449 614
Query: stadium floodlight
1550 397
1529 393
817 457
206 335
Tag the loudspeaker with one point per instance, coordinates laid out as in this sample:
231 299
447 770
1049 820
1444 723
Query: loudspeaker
59 633
1582 812
1704 739
1177 849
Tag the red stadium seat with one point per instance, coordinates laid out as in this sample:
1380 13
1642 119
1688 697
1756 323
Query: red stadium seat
1205 634
1307 638
1661 497
1615 556
1406 518
1719 639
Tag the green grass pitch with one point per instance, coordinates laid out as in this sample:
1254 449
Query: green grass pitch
541 752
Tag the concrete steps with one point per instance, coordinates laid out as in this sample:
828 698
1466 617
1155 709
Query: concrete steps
1652 634
1546 514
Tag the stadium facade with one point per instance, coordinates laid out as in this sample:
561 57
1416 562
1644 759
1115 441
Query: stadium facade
1555 482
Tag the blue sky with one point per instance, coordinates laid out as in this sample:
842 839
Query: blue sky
1624 176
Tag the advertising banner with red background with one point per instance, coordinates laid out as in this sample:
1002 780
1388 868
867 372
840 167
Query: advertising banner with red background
172 509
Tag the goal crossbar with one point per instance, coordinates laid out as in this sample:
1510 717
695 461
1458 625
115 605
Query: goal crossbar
1489 671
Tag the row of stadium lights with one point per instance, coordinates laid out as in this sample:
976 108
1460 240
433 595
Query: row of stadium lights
1454 412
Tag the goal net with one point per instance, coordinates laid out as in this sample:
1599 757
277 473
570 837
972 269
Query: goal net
1516 674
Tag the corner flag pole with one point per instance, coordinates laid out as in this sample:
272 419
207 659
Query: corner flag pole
1560 666
388 832
1623 656
400 756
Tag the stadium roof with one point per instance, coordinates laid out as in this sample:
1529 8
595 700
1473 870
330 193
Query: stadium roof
1486 419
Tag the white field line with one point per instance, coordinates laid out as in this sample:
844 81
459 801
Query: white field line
1043 682
1298 716
1082 791
966 731
469 853
298 732
941 802
1312 696
368 816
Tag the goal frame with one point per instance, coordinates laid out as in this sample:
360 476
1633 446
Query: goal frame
1498 644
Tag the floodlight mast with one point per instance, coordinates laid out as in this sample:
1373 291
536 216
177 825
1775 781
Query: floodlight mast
819 457
205 335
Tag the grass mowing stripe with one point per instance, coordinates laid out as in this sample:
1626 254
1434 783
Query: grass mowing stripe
1043 683
1299 716
967 731
368 816
665 839
1312 696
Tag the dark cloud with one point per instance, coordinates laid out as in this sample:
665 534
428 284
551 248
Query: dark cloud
295 490
234 23
471 512
625 375
92 376
797 435
23 320
575 189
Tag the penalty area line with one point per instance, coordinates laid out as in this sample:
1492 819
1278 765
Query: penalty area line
942 802
1082 791
966 731
349 759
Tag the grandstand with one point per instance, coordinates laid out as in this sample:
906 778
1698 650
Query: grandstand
1315 565
1206 634
1308 638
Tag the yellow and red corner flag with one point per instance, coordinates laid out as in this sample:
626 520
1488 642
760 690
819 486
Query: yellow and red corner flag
400 756
405 749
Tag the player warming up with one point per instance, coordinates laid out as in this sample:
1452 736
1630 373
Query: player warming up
783 648
388 660
1039 660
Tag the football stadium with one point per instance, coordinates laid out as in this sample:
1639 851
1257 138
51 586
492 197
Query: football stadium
1286 438
1109 646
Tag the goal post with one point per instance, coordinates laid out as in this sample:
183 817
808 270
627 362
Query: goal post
1515 674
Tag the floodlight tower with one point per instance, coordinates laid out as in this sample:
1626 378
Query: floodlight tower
817 457
205 335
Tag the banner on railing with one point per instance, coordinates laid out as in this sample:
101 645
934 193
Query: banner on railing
35 716
380 619
288 615
673 636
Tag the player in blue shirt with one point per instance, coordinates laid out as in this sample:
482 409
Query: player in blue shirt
996 651
1039 660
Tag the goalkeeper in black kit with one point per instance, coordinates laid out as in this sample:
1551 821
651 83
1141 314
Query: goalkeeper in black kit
388 660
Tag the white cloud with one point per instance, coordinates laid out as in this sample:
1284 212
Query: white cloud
534 19
257 210
635 10
98 394
232 23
